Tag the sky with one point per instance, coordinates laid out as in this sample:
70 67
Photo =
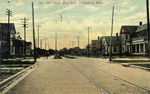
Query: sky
71 18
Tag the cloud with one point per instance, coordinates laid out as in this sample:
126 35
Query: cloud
106 13
107 2
127 10
36 7
18 3
91 8
64 9
123 3
20 15
137 16
141 14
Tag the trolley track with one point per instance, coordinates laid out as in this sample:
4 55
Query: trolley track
112 75
77 65
90 79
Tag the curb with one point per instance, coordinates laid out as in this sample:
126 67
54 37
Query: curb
10 79
134 66
126 61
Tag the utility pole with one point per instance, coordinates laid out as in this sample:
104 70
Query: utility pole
148 29
45 43
110 49
33 31
41 43
78 42
88 42
56 42
24 26
38 36
9 13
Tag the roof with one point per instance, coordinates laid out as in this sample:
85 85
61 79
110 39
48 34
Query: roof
99 41
128 29
93 42
142 28
4 27
107 38
28 43
21 43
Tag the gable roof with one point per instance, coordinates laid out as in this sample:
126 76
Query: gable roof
93 42
142 27
128 29
4 27
99 41
21 43
107 39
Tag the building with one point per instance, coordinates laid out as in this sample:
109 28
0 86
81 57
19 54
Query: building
106 45
28 48
19 48
99 47
140 42
6 36
93 47
126 34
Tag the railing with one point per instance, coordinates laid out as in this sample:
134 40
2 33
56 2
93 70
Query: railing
128 40
139 38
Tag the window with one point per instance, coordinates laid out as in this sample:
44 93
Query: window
126 36
123 49
115 49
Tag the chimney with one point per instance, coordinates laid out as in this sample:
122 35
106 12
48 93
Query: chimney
140 23
117 36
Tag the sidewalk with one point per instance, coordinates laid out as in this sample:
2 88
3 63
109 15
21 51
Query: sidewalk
130 59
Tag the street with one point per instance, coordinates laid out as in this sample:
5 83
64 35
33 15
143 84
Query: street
83 76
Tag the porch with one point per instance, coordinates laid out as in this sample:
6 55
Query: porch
139 45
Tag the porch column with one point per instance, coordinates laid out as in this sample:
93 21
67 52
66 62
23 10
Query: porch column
129 49
135 48
131 46
139 48
144 48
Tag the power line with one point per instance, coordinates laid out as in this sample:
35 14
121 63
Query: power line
123 6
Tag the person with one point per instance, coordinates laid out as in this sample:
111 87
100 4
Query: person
46 55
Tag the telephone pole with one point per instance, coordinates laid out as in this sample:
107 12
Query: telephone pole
33 32
56 42
25 24
78 42
88 52
148 29
45 43
110 49
9 13
41 43
38 37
